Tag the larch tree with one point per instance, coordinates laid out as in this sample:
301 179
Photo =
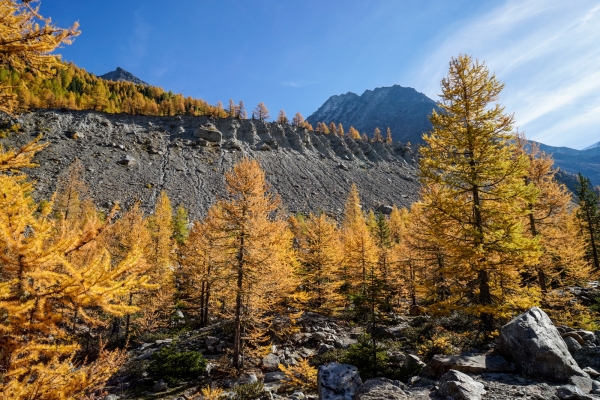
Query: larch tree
470 158
340 130
282 118
241 111
55 279
353 133
589 215
232 110
256 249
550 219
298 119
333 128
320 257
201 271
261 112
388 136
377 135
28 39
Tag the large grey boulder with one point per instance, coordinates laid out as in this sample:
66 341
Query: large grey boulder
270 362
460 386
380 388
338 381
534 344
208 132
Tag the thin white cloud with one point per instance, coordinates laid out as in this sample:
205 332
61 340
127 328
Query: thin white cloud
547 53
296 84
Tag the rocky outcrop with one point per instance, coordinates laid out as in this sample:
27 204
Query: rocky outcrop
130 158
460 386
338 381
534 344
477 364
404 110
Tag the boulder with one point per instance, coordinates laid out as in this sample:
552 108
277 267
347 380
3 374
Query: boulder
460 386
588 357
575 336
211 340
272 377
209 133
533 343
584 384
412 361
588 336
338 381
570 392
270 363
572 344
324 348
380 388
440 364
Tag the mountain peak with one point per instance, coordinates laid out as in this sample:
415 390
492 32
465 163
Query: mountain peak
403 109
121 75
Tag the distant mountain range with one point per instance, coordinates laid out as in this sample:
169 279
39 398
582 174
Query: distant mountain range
120 75
405 111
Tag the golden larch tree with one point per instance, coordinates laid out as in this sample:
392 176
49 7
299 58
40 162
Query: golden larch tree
55 279
282 118
320 257
256 249
261 112
470 158
298 119
28 39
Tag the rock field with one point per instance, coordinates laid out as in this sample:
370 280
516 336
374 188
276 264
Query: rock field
134 157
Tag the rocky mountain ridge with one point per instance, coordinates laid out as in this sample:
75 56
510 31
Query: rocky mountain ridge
404 110
120 75
130 158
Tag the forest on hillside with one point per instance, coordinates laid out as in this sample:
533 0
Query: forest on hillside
492 235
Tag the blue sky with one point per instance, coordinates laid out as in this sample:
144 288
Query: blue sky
293 55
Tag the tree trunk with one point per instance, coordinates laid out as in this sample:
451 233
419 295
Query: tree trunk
592 240
237 341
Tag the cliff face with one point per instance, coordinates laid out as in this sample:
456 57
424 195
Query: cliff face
133 157
404 110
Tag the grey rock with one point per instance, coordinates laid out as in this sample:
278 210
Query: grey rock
570 392
596 387
271 377
572 344
111 397
460 386
380 388
324 348
209 133
440 364
319 336
591 372
413 361
211 340
128 160
575 336
584 384
588 357
338 381
586 335
533 343
160 386
270 363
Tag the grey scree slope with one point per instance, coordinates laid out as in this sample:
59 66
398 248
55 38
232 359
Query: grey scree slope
133 157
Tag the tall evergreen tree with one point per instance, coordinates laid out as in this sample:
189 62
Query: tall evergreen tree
470 160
